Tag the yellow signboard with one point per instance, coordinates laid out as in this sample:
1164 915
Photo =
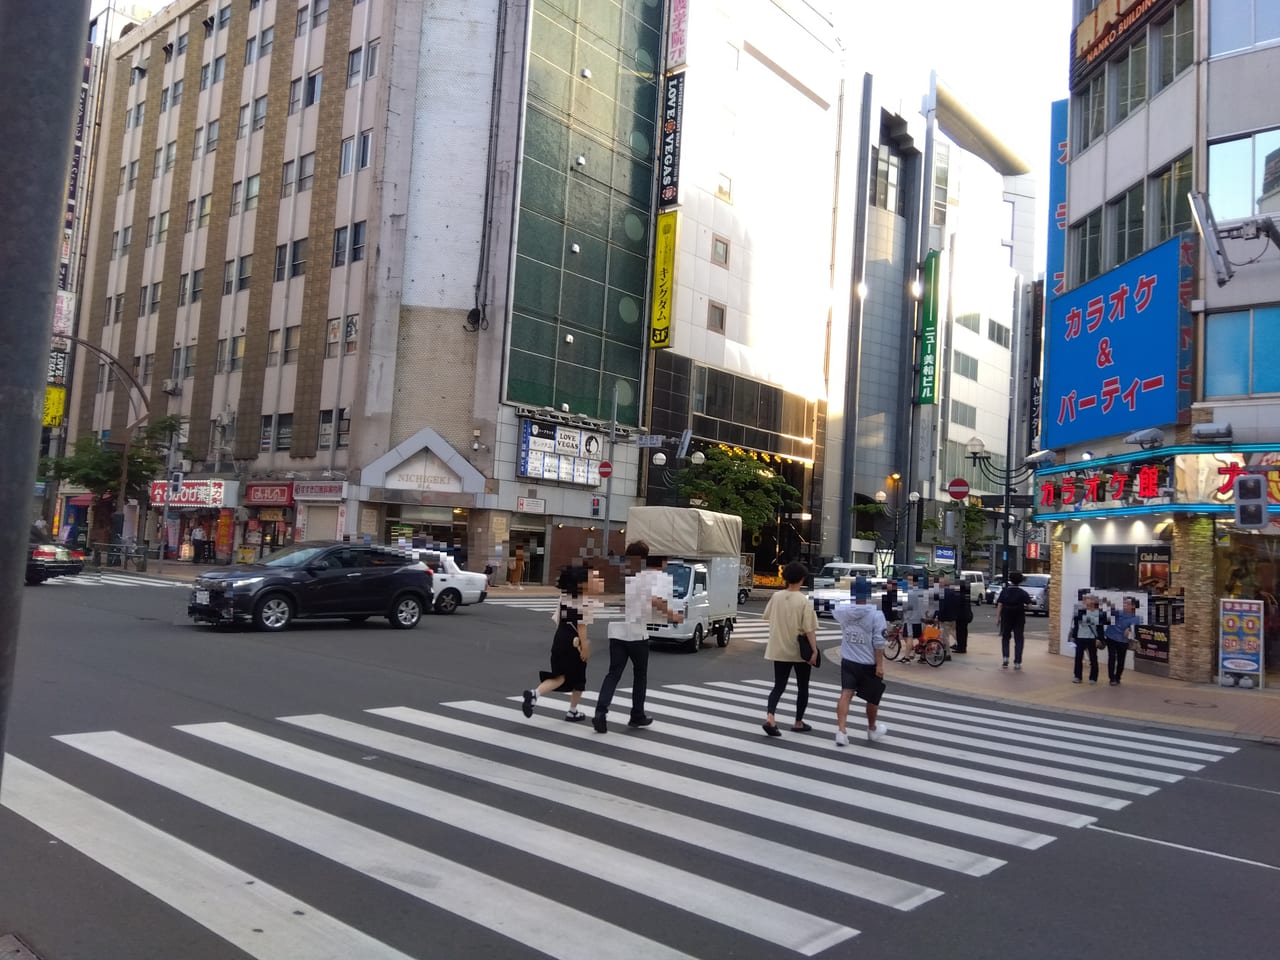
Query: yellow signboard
664 280
55 406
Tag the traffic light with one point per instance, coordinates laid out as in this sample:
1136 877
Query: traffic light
1250 491
175 483
595 506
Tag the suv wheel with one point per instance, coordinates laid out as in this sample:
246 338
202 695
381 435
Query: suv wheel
406 611
273 612
448 601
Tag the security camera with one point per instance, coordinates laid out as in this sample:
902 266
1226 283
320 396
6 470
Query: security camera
1211 431
1041 458
1151 437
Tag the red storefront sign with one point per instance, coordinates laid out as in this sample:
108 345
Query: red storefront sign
1144 483
194 493
268 494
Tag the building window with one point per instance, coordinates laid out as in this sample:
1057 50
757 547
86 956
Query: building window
228 278
242 125
295 95
298 266
347 156
1086 246
999 334
273 348
324 436
1171 207
333 336
133 173
148 367
197 142
306 171
886 189
260 113
191 216
219 69
304 17
204 76
964 415
265 41
182 289
206 208
251 192
357 241
220 361
139 112
1130 74
312 95
286 178
365 153
1239 24
142 301
326 429
292 338
236 189
151 232
1091 106
715 316
1239 353
119 308
164 99
1127 219
155 298
224 17
211 136
155 163
170 155
282 261
115 244
1176 40
162 226
351 333
236 360
970 321
355 66
319 12
197 285
719 251
965 366
188 361
245 273
339 249
126 239
250 50
284 431
267 433
1244 176
182 47
941 182
176 98
371 60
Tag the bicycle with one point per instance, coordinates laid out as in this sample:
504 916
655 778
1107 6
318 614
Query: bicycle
929 648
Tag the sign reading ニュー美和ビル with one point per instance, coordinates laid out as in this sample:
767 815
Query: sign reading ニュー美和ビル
1118 349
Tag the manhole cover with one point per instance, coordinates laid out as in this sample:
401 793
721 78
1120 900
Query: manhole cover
1192 703
11 948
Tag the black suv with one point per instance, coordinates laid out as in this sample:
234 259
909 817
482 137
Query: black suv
315 581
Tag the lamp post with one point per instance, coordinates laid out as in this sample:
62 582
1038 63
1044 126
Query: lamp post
898 512
1007 477
665 477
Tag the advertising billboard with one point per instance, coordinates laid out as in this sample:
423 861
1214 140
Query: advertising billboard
1059 154
927 384
1118 349
664 280
554 451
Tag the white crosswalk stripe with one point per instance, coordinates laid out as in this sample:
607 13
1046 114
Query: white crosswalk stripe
750 628
90 579
886 825
547 606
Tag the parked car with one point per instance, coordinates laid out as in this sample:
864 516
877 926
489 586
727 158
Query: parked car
47 558
316 581
1037 585
453 586
976 581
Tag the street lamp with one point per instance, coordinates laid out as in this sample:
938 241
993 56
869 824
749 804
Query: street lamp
898 512
1006 477
666 478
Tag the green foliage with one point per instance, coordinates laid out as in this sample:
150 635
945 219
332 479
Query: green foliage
742 484
97 467
975 523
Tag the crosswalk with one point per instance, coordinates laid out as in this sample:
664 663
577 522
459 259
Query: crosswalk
531 830
91 579
547 606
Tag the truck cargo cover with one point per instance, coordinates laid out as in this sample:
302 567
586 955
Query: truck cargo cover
685 531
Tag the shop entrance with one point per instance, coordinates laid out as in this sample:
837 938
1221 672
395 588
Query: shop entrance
1249 568
441 527
533 544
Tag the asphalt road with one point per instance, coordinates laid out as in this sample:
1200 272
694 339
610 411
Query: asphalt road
464 830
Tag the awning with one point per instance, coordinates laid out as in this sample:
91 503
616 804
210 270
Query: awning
82 500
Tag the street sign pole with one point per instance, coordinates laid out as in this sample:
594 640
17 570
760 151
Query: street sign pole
40 61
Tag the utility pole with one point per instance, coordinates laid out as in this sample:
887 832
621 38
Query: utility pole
608 481
40 60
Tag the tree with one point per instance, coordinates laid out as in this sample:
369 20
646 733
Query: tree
741 483
97 467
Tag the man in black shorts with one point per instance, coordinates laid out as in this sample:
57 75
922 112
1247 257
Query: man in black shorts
861 660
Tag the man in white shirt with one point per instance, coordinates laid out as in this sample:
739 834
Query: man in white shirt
197 544
647 599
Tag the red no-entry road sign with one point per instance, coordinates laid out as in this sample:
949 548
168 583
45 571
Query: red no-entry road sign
958 488
606 469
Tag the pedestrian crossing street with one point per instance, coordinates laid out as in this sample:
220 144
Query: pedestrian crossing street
89 579
750 628
696 815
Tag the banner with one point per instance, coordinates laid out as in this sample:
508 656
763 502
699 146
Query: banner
927 388
669 156
1240 643
664 277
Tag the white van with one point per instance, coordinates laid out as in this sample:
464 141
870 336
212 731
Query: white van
977 583
833 573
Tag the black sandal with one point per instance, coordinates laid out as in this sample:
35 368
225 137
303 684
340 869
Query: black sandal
771 729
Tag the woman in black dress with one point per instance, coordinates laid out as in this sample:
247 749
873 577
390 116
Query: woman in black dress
570 647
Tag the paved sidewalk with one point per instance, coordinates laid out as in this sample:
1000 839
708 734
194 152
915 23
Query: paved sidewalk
1045 682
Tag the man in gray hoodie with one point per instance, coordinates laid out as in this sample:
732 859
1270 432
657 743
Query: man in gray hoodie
861 660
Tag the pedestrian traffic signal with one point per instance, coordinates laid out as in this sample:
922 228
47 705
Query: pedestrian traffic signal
175 483
1251 501
595 506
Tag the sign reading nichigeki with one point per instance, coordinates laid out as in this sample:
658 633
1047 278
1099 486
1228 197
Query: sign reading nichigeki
1118 349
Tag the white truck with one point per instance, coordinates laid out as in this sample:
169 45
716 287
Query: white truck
452 586
702 549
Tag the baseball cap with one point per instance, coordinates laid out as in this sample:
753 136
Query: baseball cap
861 589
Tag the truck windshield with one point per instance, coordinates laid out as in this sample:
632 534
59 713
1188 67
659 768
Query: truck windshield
679 579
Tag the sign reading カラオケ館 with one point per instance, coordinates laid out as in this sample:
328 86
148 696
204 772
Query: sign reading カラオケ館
1118 349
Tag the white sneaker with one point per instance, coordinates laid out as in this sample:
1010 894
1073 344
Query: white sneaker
842 738
878 732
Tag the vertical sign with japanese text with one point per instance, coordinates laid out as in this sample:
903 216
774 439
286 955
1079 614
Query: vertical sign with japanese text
1240 643
1056 247
1113 353
664 275
927 387
677 33
669 154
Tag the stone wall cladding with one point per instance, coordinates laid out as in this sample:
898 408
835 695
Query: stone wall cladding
1193 645
435 375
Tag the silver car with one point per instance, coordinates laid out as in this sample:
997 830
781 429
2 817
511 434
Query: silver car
1037 586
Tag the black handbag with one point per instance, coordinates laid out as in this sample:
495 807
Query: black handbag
807 649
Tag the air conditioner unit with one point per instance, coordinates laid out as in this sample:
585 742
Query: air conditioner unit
172 387
226 419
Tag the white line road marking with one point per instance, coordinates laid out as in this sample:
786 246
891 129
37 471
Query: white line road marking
1181 846
248 913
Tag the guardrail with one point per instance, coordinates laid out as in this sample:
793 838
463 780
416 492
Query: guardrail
119 555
